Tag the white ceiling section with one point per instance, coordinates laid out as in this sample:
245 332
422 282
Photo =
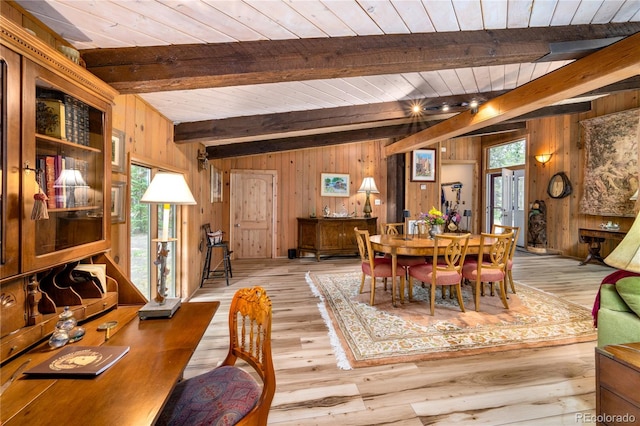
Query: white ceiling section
91 24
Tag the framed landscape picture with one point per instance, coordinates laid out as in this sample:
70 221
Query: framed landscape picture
423 165
117 151
118 194
334 185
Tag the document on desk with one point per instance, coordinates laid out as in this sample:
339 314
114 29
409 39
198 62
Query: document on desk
80 361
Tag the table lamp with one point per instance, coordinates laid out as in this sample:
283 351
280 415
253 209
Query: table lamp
166 189
368 186
626 256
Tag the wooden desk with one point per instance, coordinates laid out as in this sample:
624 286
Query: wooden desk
411 245
595 238
617 378
131 392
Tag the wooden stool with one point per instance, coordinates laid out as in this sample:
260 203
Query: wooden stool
226 260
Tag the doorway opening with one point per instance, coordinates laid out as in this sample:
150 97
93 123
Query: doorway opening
505 187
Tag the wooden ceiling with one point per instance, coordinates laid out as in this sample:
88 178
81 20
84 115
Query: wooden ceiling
255 76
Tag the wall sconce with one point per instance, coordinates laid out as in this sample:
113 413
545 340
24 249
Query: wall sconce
202 160
368 186
543 158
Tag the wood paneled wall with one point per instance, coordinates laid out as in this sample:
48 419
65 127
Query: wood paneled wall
149 138
562 137
299 184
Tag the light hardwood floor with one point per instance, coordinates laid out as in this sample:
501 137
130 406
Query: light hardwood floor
545 386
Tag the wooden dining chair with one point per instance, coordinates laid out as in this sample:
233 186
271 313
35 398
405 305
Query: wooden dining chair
405 261
228 394
445 268
490 264
502 229
374 267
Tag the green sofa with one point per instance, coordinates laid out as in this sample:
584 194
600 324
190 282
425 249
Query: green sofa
619 312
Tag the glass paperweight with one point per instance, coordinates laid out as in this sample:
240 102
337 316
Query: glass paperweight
67 320
59 338
76 333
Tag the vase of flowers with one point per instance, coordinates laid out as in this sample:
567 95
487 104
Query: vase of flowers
435 220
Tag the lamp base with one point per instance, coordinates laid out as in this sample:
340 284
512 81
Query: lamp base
153 310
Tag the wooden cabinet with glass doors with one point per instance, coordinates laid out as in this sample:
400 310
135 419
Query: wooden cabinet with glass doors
55 193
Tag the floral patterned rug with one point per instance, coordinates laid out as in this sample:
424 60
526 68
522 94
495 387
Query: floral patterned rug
364 335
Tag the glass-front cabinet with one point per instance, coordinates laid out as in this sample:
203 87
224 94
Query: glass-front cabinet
66 163
54 162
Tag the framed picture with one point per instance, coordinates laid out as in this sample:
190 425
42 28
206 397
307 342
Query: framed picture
216 185
117 151
118 194
334 185
423 165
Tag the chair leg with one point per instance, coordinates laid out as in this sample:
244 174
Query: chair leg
410 287
503 293
513 286
362 283
477 294
373 290
432 299
459 294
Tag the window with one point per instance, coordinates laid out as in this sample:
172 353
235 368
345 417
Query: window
145 224
507 155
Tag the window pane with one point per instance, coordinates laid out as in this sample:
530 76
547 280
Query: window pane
507 155
140 230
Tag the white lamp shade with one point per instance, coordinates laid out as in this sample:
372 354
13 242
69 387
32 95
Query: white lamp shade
369 185
168 188
627 255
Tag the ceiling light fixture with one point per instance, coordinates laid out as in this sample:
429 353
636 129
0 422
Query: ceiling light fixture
473 106
445 108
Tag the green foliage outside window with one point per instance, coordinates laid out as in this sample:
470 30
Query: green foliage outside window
507 155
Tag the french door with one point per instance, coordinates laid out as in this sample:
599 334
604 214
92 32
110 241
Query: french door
506 200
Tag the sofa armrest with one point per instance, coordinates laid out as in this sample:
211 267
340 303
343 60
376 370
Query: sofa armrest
610 299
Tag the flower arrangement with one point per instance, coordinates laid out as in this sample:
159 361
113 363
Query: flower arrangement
433 217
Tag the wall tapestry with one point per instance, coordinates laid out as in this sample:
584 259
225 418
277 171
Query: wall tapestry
611 166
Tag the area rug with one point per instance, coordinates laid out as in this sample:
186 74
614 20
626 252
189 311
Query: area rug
363 335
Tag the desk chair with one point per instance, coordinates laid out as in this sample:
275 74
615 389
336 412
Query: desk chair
228 394
213 243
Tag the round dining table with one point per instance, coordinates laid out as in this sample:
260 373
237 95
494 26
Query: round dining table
411 245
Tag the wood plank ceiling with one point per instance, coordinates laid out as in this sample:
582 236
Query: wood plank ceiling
255 76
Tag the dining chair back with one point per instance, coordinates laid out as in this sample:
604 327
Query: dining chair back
490 265
372 266
228 394
394 228
502 229
445 268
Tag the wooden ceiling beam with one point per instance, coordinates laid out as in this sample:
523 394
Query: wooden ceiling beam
184 67
607 66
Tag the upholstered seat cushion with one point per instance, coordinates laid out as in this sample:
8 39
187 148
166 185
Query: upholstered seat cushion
221 396
382 269
470 272
424 273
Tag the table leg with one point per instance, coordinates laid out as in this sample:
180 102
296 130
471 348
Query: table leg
594 249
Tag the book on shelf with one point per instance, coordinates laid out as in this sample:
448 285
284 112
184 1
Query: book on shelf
80 361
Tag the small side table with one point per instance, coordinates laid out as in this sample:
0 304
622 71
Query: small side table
226 261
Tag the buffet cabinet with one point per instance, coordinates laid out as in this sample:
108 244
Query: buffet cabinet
55 202
332 235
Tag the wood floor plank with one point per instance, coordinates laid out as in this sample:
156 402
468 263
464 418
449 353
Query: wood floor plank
538 386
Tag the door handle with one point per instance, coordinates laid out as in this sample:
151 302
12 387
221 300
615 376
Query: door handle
237 225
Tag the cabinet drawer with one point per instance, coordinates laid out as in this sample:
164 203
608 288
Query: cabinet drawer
96 306
613 405
620 378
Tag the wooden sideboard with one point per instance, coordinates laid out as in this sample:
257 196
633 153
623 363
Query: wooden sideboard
332 235
131 392
617 379
595 238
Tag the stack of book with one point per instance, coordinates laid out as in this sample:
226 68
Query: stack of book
62 116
